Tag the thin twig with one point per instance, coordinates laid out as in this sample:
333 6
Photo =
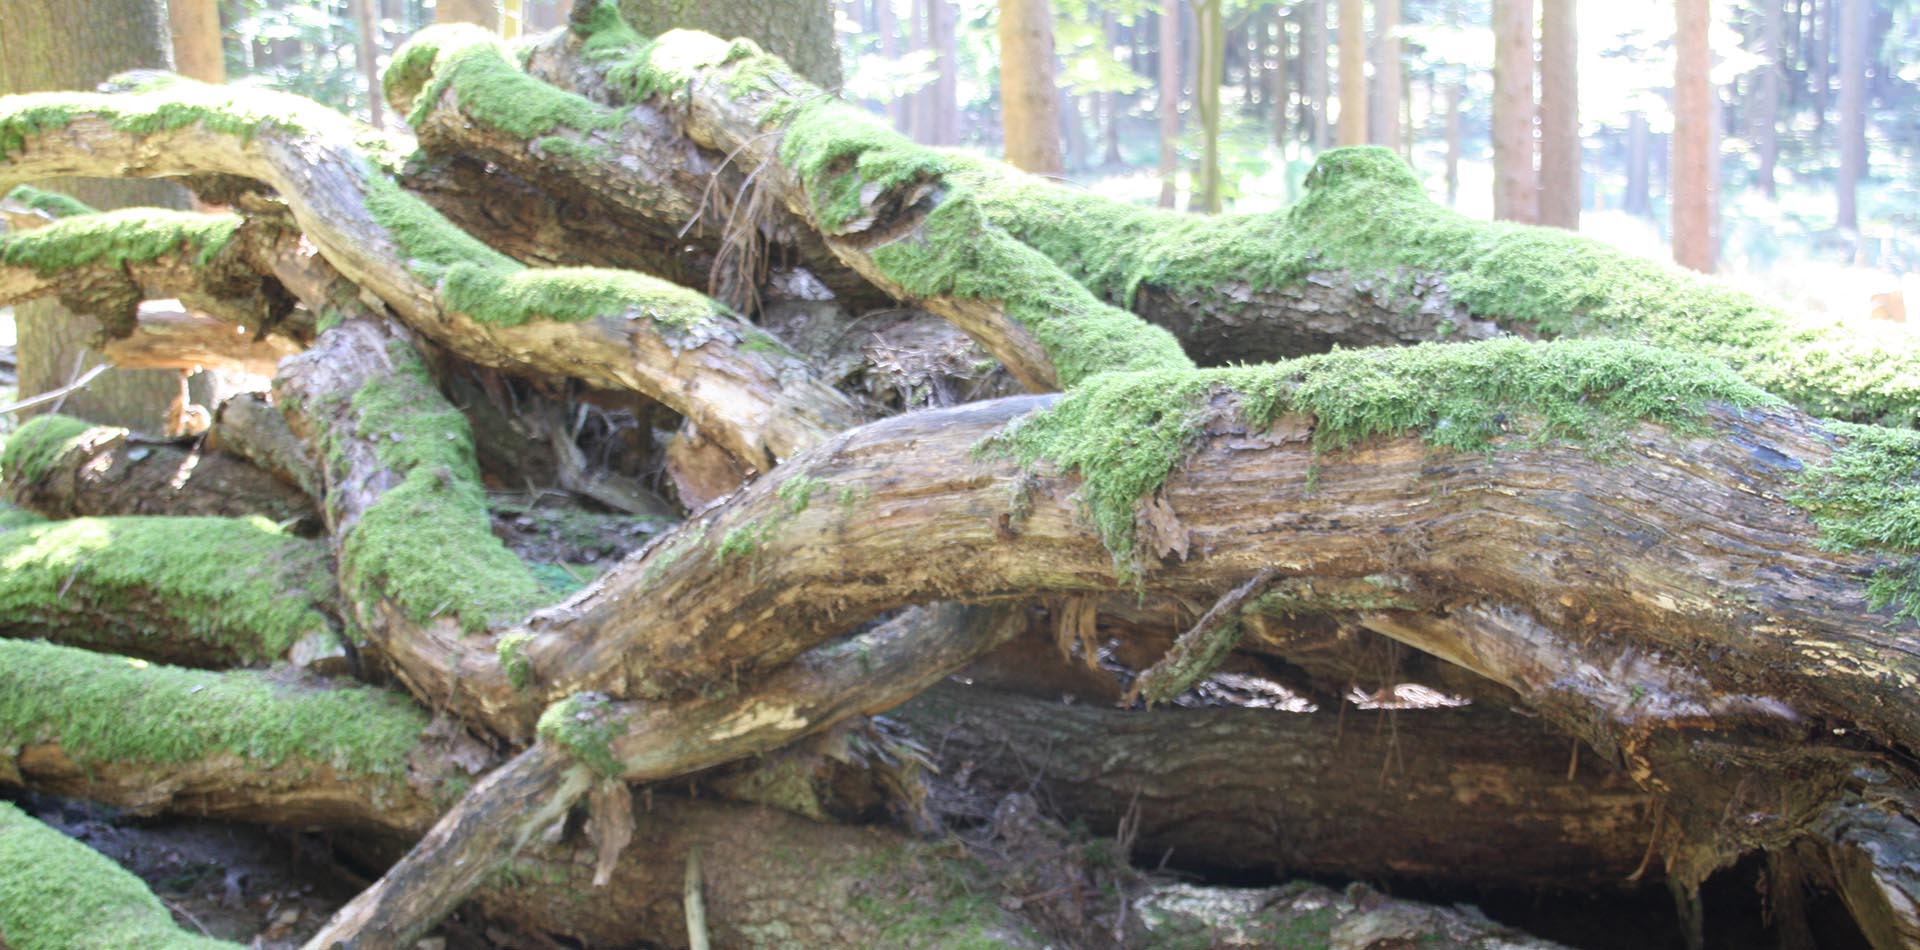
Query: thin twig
55 395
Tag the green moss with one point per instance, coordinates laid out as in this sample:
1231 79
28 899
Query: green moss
58 894
51 203
950 900
115 238
745 540
240 584
1124 432
1867 498
103 708
482 74
797 492
37 444
513 659
1365 213
426 544
585 724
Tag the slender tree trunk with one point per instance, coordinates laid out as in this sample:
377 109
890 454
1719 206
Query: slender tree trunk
1352 129
1314 61
798 31
899 108
1559 116
1827 18
1387 74
1210 62
1515 184
367 54
942 35
1169 101
920 115
1639 158
1029 97
1279 95
1692 138
1765 117
1112 106
1852 109
485 13
1453 143
75 44
196 40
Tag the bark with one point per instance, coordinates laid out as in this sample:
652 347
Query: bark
1515 182
1637 200
944 103
1386 74
1852 107
1693 156
1769 83
1559 115
366 54
1314 60
1279 98
482 13
1029 96
1474 794
195 28
1353 74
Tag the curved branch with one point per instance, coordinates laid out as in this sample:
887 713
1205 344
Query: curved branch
613 329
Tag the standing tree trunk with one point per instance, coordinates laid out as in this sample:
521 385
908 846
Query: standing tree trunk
1637 199
1386 74
798 31
1453 144
483 13
1765 117
1313 58
1692 190
887 23
1029 97
1112 106
76 45
943 36
366 52
1169 101
196 40
1278 92
1853 110
1559 115
1353 74
1209 63
1515 184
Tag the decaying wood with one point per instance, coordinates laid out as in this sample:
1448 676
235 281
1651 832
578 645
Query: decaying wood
107 470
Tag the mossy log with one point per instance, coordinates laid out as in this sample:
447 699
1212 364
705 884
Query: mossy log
62 467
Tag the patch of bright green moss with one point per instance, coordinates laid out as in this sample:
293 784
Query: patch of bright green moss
58 894
103 708
1124 432
238 583
114 238
40 441
11 518
482 73
51 203
585 724
1867 498
426 544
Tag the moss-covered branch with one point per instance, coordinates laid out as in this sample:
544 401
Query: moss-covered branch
202 591
613 329
890 211
58 894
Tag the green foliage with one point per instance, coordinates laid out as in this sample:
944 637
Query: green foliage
239 583
512 652
1124 432
426 544
58 894
11 518
51 203
103 708
116 238
37 444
